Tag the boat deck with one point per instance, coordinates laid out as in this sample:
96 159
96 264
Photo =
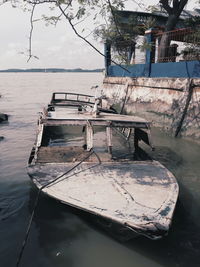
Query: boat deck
140 195
104 119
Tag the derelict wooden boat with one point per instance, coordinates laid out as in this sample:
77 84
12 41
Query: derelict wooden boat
92 161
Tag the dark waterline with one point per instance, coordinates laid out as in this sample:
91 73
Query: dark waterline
59 235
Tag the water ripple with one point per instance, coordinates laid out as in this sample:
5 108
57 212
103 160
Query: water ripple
9 206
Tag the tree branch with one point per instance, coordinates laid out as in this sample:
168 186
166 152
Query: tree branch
31 34
38 2
182 4
114 17
175 4
69 4
178 6
166 6
63 12
84 39
141 5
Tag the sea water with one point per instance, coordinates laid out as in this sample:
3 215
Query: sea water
59 235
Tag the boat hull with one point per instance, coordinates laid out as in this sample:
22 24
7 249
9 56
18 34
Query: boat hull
140 197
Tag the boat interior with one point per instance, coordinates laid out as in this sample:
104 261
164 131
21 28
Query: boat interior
71 143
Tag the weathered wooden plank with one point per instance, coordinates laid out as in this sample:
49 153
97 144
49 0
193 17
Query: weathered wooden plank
96 123
100 117
109 138
89 136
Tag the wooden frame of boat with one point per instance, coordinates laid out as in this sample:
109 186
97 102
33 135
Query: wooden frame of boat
80 101
63 98
139 195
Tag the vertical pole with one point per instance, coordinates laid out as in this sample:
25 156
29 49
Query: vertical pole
107 53
185 110
136 139
150 52
89 136
131 54
109 139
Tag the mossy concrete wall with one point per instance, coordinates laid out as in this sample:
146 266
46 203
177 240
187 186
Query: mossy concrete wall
160 100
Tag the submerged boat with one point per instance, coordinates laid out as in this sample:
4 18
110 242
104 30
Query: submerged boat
89 157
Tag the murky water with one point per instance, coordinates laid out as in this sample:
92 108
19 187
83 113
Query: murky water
59 236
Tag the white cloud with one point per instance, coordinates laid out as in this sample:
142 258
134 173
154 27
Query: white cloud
54 48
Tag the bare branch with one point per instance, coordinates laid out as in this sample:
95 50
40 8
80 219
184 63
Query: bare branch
68 18
84 39
31 34
175 3
105 17
176 9
141 5
69 4
114 17
178 6
78 22
182 4
38 2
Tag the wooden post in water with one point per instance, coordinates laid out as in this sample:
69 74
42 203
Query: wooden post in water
89 136
109 139
189 97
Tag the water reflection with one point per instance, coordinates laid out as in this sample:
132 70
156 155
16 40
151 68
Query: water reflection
58 228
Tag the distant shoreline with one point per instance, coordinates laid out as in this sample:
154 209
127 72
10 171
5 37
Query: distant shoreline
47 70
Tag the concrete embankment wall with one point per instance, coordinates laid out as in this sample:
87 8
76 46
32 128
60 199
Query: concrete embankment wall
170 103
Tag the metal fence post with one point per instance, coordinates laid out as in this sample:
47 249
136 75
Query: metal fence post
150 51
107 53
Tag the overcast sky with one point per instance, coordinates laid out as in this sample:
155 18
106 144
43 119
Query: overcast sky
55 46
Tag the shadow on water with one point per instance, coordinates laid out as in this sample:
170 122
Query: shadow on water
60 226
52 213
182 246
179 248
167 157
